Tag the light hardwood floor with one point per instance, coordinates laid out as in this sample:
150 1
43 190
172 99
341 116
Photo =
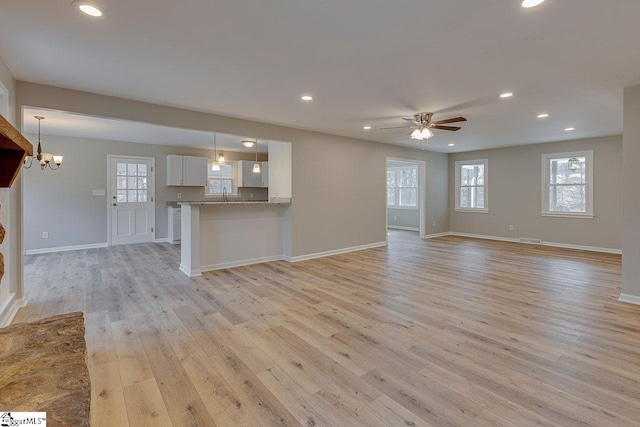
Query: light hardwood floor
446 332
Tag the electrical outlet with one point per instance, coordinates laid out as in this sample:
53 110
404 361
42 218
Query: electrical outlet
395 218
434 223
511 228
251 195
179 196
45 234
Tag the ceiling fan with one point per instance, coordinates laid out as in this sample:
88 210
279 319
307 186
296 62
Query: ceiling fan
421 124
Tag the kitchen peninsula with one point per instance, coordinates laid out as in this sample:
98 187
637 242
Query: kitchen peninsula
217 234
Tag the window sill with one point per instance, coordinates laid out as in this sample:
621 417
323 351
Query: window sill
408 208
568 215
471 210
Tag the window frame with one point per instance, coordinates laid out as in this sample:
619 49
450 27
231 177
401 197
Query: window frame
234 179
397 188
546 175
458 172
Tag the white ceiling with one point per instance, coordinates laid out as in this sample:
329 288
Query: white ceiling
366 62
62 123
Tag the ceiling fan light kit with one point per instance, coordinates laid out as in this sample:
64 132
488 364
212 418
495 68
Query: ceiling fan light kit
422 125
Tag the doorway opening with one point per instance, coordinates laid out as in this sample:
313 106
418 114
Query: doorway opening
406 198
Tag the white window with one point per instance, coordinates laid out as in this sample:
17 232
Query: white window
402 187
221 181
567 184
472 187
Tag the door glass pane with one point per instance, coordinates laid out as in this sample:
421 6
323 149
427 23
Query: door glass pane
142 169
142 196
131 183
570 198
132 196
121 168
132 169
122 182
121 197
142 183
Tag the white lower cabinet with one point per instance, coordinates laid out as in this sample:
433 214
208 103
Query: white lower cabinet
174 224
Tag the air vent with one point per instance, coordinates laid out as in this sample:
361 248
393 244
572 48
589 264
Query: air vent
531 241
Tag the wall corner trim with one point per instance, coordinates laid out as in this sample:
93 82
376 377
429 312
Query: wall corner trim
630 299
9 309
190 273
337 251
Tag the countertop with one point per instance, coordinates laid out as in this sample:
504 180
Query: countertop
230 203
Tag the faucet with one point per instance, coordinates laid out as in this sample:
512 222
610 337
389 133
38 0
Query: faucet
224 194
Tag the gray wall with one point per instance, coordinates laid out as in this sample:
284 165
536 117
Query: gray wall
515 195
338 183
61 202
403 218
631 194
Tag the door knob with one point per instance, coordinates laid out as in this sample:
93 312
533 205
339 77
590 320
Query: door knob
115 204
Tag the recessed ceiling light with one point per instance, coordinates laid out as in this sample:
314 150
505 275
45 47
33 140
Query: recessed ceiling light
306 97
88 8
531 3
506 95
543 116
366 127
451 145
569 129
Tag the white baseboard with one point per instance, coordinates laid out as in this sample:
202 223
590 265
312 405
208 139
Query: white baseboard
400 227
336 252
162 240
241 263
9 309
544 243
583 248
191 273
65 248
631 299
434 236
482 236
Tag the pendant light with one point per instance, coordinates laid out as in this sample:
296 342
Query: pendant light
256 165
215 165
43 158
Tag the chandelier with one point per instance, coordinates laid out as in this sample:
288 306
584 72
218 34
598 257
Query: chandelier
43 158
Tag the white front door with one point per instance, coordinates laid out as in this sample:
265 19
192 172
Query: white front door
132 203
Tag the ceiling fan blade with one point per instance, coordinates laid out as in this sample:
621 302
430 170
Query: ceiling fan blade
409 120
396 127
453 128
453 120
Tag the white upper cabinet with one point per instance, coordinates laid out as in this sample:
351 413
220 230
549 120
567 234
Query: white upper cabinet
246 177
264 168
279 170
186 171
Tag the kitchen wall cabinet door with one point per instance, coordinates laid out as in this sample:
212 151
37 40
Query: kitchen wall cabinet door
279 170
246 177
264 168
186 171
